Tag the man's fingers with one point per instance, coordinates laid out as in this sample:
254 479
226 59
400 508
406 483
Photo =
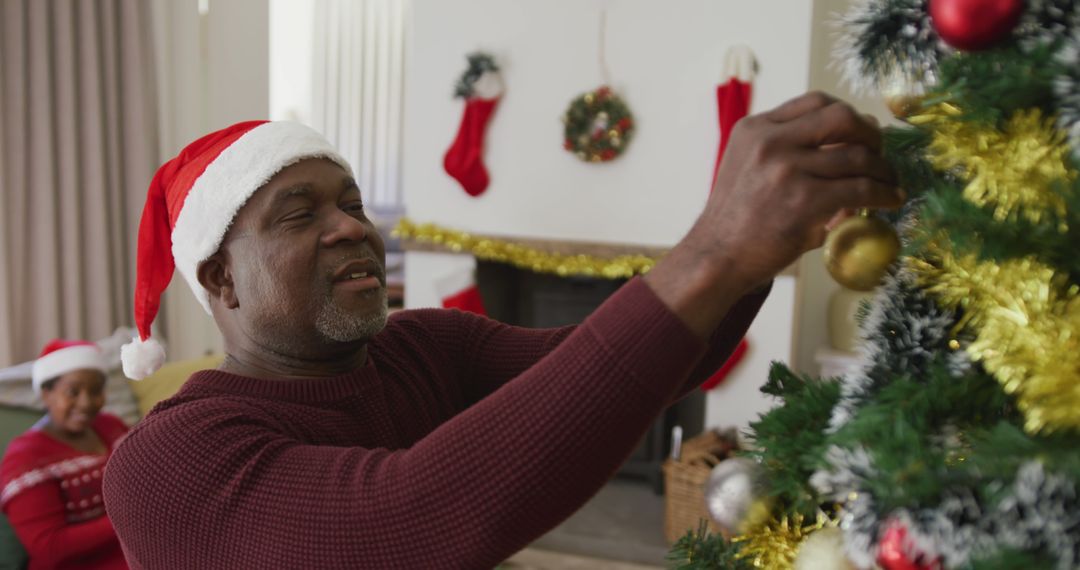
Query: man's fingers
799 106
855 193
846 161
817 237
837 123
839 217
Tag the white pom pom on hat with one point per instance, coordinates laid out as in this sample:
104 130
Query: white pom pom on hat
141 358
191 202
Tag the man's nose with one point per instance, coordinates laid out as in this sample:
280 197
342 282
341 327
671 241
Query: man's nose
343 227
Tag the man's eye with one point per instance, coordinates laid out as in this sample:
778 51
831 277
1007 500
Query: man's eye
297 216
354 207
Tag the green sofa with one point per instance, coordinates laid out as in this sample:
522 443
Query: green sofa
13 421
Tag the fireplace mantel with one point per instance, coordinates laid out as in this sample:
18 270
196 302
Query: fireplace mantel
553 247
424 238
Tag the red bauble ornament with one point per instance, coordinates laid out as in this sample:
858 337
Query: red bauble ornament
894 552
974 24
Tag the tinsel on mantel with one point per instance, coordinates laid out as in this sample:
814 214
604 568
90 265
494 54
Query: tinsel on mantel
523 256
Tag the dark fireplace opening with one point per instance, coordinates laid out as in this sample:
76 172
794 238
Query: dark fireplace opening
524 298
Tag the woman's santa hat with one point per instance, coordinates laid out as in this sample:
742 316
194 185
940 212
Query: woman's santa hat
62 356
192 201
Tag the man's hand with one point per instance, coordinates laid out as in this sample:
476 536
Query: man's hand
786 174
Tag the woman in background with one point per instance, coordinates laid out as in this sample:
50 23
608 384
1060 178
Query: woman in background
50 477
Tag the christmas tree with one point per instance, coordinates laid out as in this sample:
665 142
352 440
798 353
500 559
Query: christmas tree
956 443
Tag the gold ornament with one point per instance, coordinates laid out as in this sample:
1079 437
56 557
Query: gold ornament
859 251
901 96
775 545
759 514
1026 320
903 106
589 98
1013 170
524 257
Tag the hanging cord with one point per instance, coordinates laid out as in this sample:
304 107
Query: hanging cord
605 75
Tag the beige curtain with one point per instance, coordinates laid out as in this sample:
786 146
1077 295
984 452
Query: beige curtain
78 146
358 92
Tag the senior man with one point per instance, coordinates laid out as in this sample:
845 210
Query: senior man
333 437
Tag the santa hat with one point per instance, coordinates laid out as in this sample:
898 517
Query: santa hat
192 200
62 356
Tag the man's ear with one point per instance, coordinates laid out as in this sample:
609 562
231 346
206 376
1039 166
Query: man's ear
216 277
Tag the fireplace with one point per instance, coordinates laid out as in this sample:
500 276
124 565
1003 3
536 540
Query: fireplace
524 298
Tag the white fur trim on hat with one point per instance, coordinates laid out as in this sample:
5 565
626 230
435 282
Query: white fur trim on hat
60 362
227 184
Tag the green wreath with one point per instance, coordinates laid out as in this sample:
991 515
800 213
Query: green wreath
599 125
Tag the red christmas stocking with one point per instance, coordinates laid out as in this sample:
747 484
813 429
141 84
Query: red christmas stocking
465 161
467 299
733 103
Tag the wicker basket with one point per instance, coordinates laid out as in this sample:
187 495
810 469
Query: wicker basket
684 482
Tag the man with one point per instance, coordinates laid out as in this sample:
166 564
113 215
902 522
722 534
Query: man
330 438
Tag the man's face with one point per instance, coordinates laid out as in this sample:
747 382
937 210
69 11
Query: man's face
307 264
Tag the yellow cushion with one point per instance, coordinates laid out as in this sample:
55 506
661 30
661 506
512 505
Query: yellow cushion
168 380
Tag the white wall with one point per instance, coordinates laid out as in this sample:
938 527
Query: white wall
738 400
815 284
213 71
665 59
292 23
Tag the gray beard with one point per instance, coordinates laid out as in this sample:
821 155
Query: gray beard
339 325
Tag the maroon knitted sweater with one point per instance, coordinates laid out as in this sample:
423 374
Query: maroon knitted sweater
457 444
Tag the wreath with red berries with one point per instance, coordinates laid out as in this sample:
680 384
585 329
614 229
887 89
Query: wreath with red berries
599 125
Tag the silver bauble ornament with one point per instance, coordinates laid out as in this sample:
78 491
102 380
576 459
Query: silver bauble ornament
733 486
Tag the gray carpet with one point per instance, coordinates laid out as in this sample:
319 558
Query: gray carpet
624 521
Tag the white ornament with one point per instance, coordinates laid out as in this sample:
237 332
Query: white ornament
823 550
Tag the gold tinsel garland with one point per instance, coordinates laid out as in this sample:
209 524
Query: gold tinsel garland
532 259
1013 170
1026 321
776 544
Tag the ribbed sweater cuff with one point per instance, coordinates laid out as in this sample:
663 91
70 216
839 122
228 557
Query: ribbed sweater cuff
657 349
